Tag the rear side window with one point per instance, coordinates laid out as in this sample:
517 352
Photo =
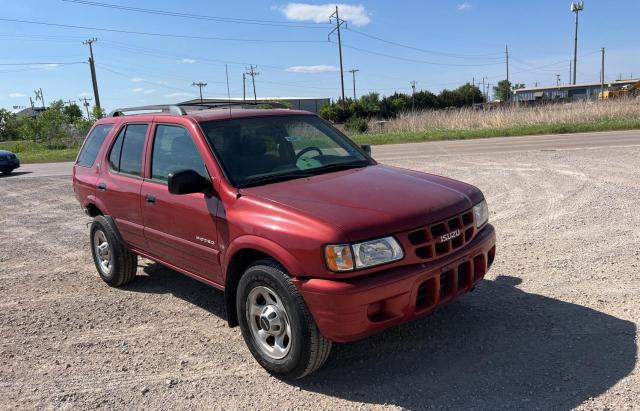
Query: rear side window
91 147
126 153
174 150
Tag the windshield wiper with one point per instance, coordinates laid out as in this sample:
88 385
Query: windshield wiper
338 167
273 178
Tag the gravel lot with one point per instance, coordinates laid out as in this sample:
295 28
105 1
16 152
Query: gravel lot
554 326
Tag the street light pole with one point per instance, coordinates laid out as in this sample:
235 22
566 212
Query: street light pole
576 8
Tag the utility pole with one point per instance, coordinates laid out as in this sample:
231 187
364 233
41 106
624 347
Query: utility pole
199 85
413 95
576 8
353 72
557 80
92 66
506 52
86 105
473 91
70 102
570 71
244 87
488 91
339 24
253 73
602 72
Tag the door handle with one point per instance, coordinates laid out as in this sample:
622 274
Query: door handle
150 199
102 187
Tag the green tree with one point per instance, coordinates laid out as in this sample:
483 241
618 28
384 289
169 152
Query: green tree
505 89
9 125
73 112
97 113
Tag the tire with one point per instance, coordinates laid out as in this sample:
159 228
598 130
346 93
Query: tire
7 172
306 349
116 265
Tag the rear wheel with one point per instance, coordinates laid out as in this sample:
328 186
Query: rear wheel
115 263
7 172
276 324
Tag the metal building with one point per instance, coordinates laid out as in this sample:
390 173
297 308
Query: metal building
312 104
566 92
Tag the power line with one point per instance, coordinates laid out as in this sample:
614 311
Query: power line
145 33
419 61
200 17
43 64
440 53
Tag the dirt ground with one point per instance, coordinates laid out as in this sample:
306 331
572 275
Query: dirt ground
554 326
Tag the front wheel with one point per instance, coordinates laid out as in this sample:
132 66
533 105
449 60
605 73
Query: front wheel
115 263
276 324
7 172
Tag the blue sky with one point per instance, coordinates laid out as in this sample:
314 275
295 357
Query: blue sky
447 44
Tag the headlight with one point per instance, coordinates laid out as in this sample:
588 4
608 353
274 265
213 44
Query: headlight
365 254
481 213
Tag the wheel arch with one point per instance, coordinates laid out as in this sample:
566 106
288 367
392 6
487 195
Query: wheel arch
243 252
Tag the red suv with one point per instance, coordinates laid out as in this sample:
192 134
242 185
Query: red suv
310 239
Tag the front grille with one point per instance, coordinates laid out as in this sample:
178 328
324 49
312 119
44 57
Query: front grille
443 237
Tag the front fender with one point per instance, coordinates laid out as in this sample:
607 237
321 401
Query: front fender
276 251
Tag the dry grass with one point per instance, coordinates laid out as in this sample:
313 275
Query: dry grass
511 117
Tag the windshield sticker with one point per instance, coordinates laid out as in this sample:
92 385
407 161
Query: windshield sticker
305 163
292 138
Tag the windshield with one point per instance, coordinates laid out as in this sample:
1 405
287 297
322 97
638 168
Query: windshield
264 150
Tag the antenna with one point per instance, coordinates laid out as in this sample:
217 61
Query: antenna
226 70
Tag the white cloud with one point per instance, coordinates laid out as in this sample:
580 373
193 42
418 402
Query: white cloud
16 95
163 83
319 13
136 79
312 69
143 90
463 6
178 94
187 61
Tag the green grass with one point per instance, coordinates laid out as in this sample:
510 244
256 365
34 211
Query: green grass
30 152
435 134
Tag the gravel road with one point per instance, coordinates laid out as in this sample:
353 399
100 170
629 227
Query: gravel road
554 326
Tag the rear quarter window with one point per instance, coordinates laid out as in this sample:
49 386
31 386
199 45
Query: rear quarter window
92 145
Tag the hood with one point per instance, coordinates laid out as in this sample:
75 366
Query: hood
373 201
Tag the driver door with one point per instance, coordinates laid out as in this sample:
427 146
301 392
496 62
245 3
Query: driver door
180 229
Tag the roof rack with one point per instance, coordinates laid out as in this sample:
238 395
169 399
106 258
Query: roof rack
232 103
172 109
179 109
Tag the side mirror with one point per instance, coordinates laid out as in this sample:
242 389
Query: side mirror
366 148
187 182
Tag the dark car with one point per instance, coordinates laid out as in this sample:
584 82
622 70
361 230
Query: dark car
8 161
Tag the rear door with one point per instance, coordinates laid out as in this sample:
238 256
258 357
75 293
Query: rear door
120 181
85 171
180 229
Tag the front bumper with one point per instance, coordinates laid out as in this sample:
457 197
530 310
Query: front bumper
355 308
9 165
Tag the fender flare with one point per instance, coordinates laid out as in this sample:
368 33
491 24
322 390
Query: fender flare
271 248
266 246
